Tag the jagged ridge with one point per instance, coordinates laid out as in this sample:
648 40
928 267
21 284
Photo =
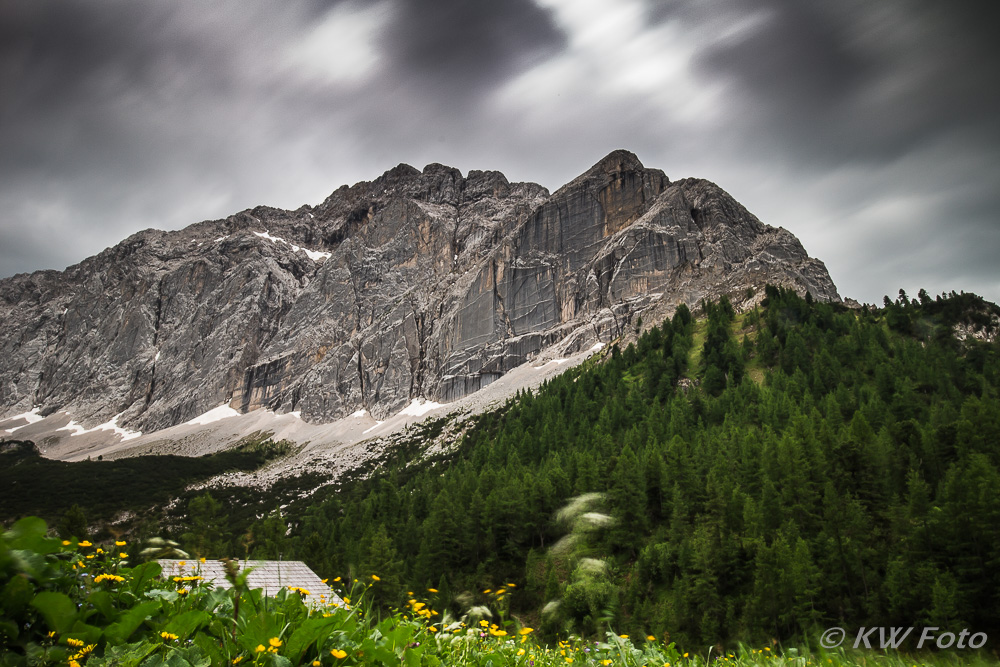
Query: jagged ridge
417 284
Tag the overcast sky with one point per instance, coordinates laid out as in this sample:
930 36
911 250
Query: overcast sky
871 130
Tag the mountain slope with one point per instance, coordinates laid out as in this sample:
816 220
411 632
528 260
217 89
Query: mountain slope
420 284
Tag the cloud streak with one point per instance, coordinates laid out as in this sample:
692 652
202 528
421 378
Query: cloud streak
871 131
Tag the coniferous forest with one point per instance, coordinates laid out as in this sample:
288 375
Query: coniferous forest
830 467
750 477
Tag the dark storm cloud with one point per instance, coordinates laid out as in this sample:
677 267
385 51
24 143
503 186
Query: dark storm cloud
870 130
464 47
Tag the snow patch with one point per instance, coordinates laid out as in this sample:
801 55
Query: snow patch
111 425
360 413
221 238
597 346
214 415
314 255
30 417
377 424
420 407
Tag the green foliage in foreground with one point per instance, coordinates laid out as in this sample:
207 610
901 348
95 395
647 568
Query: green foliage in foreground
73 603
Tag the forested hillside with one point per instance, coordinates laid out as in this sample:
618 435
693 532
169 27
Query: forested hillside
769 473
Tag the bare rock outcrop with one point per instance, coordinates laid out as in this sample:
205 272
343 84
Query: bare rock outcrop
418 284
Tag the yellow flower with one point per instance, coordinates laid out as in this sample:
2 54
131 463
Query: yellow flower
168 636
484 624
260 648
90 556
85 543
685 655
75 643
497 633
182 563
182 591
201 560
432 590
520 652
650 638
74 663
338 654
336 580
607 662
375 577
238 659
623 636
274 641
123 555
66 543
488 590
317 663
569 659
433 629
525 631
347 600
100 550
119 543
511 586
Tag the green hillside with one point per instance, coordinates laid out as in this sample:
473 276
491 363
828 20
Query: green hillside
829 467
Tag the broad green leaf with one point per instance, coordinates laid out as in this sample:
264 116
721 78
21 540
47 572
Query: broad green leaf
144 574
104 603
16 596
57 609
186 623
119 632
306 634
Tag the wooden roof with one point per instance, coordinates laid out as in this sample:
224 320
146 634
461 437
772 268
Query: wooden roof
269 575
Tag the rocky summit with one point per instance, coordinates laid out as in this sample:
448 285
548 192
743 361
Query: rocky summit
420 284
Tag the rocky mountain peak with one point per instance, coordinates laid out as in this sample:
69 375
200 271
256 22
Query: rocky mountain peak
421 284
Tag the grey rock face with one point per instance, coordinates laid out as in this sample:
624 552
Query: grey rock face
418 284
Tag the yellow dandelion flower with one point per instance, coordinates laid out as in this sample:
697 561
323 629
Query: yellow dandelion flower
85 543
432 590
525 631
66 543
123 555
182 591
274 641
488 590
260 648
650 638
484 624
336 580
347 600
608 662
119 543
168 636
623 636
317 663
75 643
375 577
238 659
433 629
520 652
100 550
685 655
201 560
338 654
510 585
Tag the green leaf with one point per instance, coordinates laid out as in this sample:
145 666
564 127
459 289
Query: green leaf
130 654
89 634
57 609
118 633
104 603
143 575
186 623
308 633
16 596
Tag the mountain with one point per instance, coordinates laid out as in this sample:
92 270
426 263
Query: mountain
419 285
